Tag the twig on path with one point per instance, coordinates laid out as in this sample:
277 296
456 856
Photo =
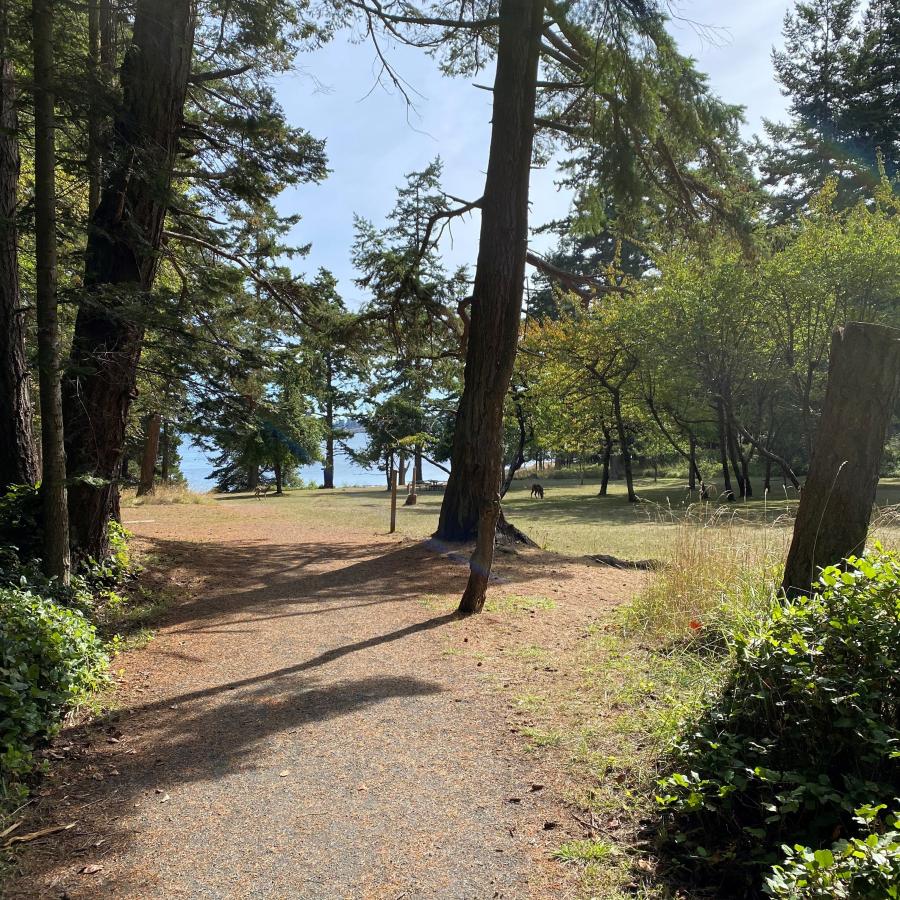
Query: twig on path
36 835
11 829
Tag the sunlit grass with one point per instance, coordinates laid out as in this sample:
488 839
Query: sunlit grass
572 519
164 495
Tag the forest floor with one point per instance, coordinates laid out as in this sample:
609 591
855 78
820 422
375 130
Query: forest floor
311 721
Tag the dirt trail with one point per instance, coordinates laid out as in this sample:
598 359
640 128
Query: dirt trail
305 725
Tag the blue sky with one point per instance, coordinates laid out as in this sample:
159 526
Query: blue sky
374 140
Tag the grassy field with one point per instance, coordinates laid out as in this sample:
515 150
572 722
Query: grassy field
574 521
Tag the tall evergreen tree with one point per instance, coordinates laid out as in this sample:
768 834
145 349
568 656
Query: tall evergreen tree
873 109
56 555
18 457
841 82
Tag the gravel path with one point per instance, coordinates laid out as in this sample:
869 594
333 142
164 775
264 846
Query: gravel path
303 725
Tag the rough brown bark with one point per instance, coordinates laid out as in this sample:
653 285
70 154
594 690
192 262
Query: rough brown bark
836 502
122 259
418 477
165 458
328 470
56 559
279 479
147 484
470 500
18 455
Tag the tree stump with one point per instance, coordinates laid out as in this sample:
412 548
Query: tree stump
836 501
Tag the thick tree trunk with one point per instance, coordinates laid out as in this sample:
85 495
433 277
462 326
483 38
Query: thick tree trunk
18 455
470 501
401 468
56 559
836 502
165 457
625 452
253 478
147 483
328 470
122 259
279 479
418 477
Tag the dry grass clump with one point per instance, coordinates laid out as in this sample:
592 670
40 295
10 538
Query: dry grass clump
722 571
164 495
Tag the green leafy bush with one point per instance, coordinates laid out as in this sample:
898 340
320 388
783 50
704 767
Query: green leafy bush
863 868
114 568
805 732
50 660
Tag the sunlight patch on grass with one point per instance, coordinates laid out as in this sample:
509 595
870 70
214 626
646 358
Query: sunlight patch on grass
538 738
583 851
518 603
165 495
438 602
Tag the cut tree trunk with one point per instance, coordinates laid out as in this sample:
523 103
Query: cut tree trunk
836 501
122 259
147 483
56 556
471 503
18 455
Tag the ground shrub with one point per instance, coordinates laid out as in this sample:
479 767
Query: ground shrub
805 733
50 660
862 868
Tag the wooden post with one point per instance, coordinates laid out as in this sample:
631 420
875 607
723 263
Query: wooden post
837 499
393 501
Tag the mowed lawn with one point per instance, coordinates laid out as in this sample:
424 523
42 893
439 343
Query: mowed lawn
573 520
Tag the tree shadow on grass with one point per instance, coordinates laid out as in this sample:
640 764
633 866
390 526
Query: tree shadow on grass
246 583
